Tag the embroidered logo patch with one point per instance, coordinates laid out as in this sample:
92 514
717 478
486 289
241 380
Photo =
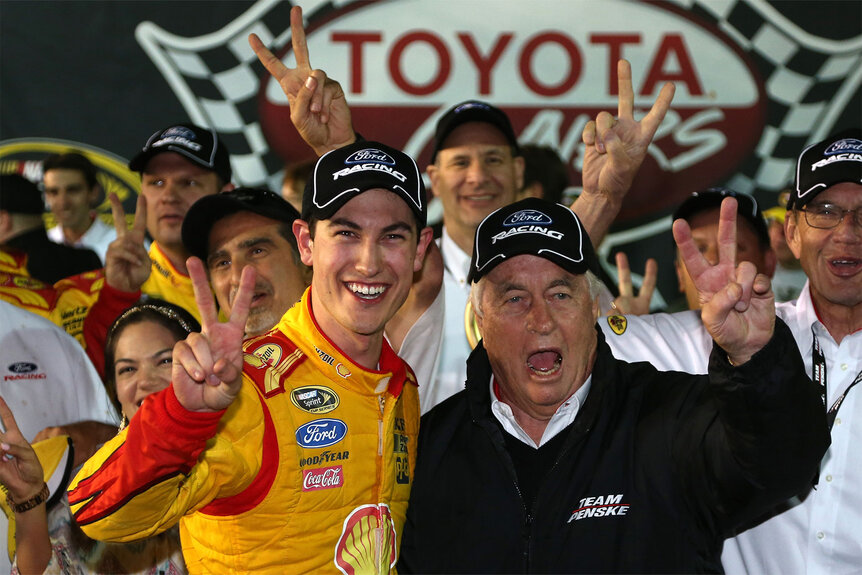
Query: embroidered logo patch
322 478
315 399
601 506
618 323
321 433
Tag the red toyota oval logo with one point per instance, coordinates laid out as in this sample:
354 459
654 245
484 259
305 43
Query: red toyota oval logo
551 73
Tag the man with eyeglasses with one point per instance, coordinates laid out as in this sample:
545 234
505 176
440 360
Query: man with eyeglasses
816 531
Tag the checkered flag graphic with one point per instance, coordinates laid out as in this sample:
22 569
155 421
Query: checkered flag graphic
809 82
216 77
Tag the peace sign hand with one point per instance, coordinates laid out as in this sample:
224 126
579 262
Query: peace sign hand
738 306
627 302
318 108
615 150
20 470
127 264
207 366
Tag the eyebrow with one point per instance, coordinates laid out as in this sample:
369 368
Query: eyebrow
512 286
401 225
130 360
245 244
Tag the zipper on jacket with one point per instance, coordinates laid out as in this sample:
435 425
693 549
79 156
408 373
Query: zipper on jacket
382 403
380 532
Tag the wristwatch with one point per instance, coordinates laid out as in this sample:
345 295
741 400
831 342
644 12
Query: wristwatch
34 501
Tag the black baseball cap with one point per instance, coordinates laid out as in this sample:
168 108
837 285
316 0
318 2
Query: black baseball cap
344 173
835 160
199 145
532 226
473 111
205 212
746 206
18 195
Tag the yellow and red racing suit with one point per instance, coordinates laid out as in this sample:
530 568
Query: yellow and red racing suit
308 470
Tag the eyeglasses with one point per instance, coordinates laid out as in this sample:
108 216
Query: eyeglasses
828 216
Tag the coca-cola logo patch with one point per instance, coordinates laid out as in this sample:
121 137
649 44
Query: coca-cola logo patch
322 478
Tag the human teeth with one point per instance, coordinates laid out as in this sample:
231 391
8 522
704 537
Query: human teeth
364 290
544 362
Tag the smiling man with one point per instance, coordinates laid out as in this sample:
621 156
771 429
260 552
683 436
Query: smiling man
558 458
254 227
71 192
303 462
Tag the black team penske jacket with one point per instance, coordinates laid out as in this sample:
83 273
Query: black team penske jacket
654 472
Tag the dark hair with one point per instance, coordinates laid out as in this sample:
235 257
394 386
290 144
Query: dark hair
543 165
172 317
298 172
72 161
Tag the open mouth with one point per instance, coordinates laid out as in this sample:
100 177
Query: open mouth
545 362
845 265
366 292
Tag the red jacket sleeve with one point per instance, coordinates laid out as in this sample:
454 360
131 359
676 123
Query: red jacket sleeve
163 440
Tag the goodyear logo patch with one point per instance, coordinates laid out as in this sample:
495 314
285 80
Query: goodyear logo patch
315 398
618 323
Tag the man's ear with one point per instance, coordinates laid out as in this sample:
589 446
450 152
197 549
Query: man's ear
791 233
426 236
93 196
433 174
304 243
519 171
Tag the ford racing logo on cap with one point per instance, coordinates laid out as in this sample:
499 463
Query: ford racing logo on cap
844 146
528 217
370 155
321 433
179 135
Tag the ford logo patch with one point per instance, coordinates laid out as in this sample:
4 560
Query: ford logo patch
321 433
22 367
528 217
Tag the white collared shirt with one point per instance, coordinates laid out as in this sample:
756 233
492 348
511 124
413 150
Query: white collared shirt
819 535
97 237
436 347
561 419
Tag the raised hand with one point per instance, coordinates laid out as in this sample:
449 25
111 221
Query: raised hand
127 264
627 302
738 306
318 108
207 366
20 470
615 150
